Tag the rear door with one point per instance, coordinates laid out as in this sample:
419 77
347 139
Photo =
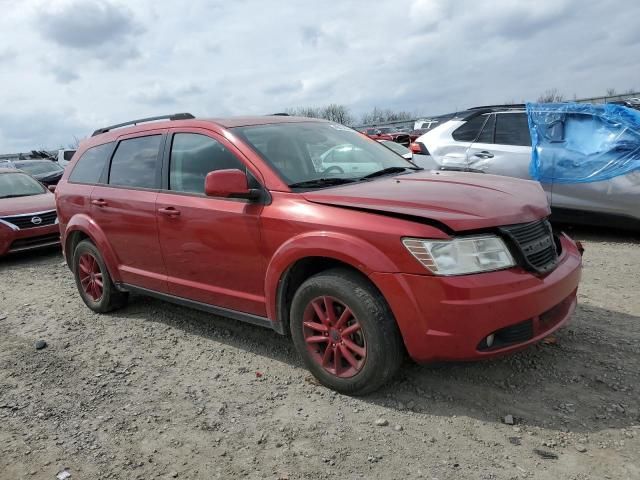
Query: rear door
588 139
212 246
125 209
504 147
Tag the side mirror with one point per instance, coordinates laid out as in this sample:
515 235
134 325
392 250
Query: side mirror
229 183
52 188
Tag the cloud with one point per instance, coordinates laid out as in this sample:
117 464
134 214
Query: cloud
105 61
86 24
283 88
7 55
46 128
64 75
159 94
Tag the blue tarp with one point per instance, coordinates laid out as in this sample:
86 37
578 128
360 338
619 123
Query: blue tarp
579 143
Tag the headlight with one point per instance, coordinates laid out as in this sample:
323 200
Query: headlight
461 255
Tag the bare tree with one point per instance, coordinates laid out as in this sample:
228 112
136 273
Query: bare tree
551 96
75 144
377 115
337 113
611 92
334 112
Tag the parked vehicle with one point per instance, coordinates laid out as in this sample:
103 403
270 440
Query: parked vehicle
64 157
496 140
414 134
27 213
399 149
425 124
234 217
388 133
45 171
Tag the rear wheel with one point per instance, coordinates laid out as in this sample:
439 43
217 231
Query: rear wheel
93 280
345 332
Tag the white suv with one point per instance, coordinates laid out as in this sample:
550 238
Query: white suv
496 140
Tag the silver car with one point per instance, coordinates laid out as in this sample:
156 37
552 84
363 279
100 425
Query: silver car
496 140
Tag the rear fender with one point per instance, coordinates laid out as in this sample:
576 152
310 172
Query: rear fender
85 224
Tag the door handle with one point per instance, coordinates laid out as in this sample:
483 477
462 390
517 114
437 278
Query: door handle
169 211
99 202
484 154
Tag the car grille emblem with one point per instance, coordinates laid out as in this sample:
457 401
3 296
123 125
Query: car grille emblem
36 220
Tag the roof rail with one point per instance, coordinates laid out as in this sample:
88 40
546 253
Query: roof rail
175 116
280 114
506 107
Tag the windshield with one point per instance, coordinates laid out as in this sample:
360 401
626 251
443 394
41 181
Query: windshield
306 151
18 185
39 167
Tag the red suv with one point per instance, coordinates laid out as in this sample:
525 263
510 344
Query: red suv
240 217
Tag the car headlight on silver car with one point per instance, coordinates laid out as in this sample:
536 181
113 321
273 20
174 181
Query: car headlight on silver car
462 255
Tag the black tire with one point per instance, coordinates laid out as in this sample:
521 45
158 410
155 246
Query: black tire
381 337
111 298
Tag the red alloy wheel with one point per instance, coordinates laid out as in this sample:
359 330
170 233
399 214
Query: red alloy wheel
90 276
334 337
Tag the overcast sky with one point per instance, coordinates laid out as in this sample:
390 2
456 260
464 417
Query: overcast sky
68 67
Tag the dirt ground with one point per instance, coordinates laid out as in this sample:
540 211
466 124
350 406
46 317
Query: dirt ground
160 391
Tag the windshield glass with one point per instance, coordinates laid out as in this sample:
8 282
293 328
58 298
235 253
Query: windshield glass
306 151
18 185
39 167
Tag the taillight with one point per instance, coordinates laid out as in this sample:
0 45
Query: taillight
415 148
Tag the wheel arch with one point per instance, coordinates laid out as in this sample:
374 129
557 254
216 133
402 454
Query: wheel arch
82 227
302 257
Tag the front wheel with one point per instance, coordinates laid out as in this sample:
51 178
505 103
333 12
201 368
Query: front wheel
345 332
93 280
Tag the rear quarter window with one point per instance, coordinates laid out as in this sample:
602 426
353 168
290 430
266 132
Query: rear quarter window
90 165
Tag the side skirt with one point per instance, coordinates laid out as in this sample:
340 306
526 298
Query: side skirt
205 307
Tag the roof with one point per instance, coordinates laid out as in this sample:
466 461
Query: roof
9 170
231 122
187 120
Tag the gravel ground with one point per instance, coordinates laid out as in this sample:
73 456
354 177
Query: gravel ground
160 391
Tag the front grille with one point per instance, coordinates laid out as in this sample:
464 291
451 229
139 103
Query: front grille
34 242
535 245
30 220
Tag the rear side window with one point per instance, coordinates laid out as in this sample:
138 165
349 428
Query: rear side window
192 157
135 161
469 131
512 129
486 136
89 167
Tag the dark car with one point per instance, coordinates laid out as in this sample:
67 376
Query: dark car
28 217
234 216
46 171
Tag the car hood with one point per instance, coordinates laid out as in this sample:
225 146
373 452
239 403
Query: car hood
30 204
461 201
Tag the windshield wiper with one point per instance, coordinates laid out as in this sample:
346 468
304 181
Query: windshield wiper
322 182
389 171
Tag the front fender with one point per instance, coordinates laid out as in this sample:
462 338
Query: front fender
353 251
85 224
